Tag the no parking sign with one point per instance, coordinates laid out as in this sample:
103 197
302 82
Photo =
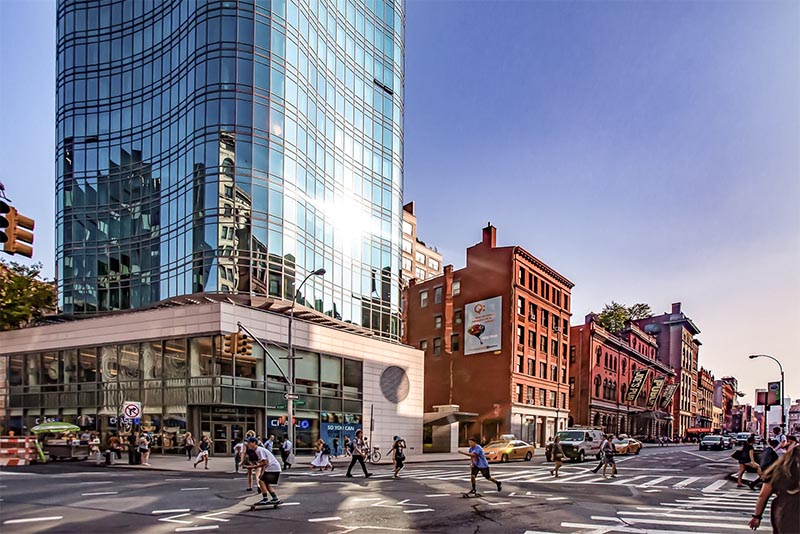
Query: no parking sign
132 410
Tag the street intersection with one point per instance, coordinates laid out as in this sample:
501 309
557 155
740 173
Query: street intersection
662 490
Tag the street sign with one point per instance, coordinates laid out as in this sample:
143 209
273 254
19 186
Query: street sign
132 410
291 396
299 403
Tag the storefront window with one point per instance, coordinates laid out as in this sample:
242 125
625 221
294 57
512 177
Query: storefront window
307 372
175 358
152 367
352 379
32 365
70 363
273 373
129 366
50 368
16 364
87 365
330 375
200 356
108 364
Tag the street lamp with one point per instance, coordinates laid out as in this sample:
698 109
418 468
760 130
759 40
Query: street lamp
290 395
783 408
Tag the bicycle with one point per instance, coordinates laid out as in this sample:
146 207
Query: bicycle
374 455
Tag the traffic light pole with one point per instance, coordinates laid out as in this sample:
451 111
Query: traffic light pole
266 351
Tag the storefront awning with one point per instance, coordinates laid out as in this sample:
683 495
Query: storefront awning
447 418
698 430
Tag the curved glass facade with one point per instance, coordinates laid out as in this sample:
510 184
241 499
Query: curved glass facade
230 147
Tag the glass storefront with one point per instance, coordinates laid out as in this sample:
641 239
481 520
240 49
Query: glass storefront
176 378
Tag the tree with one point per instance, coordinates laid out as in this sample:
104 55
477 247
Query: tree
615 315
24 296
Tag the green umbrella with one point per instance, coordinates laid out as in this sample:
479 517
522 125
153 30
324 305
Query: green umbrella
55 427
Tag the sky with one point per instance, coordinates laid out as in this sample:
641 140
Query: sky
648 151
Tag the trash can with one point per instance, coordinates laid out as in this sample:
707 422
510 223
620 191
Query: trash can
134 457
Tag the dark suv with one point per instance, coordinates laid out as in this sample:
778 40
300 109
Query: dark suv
712 443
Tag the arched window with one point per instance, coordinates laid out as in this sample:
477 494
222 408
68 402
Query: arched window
606 360
597 416
622 397
605 389
598 355
597 386
624 364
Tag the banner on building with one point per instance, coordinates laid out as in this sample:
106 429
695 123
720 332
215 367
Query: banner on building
669 392
774 394
637 383
655 390
483 326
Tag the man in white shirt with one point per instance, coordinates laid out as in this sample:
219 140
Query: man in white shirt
777 434
286 451
271 474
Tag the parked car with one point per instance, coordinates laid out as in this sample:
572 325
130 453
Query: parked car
711 442
507 450
727 442
581 443
625 445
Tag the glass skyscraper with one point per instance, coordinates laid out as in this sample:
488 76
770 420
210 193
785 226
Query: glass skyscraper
230 147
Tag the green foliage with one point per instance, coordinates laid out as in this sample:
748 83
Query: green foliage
24 296
615 315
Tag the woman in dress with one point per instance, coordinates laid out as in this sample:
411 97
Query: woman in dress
322 457
188 445
202 456
783 479
398 455
557 454
746 460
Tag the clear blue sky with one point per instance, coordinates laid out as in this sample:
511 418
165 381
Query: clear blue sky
649 151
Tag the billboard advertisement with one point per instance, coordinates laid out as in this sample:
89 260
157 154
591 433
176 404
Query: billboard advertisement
655 390
483 322
774 393
637 382
669 392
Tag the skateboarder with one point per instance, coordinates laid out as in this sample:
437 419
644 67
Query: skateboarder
272 471
478 465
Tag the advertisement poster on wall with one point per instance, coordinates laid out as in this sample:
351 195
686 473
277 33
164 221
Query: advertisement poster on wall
483 326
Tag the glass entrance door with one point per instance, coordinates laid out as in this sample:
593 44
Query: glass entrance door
226 436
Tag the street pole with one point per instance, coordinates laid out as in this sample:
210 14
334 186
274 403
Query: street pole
290 393
783 407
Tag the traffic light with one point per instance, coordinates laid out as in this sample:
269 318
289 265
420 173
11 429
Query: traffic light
230 343
17 236
245 345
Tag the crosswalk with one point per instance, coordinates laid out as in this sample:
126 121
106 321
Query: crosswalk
652 480
716 511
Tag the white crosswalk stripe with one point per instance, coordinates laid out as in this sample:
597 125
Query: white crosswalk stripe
571 474
715 511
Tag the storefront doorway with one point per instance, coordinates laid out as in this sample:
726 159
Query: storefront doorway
225 436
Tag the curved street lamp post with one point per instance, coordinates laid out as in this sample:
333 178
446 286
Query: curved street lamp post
783 408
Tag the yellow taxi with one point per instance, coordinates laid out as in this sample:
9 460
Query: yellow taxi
627 445
506 450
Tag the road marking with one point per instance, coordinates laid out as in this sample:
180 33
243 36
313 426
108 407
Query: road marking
33 519
438 495
175 511
568 478
714 486
624 480
557 498
193 489
652 491
660 470
96 483
596 529
212 518
673 523
171 519
703 457
670 513
686 482
418 510
368 499
99 493
290 504
189 529
654 482
321 519
179 479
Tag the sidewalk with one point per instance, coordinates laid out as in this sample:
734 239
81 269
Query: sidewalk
224 464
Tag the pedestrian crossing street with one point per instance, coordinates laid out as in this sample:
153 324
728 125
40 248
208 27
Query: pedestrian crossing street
649 479
717 511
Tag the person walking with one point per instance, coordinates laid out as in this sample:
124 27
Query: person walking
238 454
348 446
202 456
144 450
357 450
188 445
602 454
398 455
478 464
746 459
782 479
557 453
336 447
768 457
321 456
270 474
270 443
608 456
777 433
251 462
286 452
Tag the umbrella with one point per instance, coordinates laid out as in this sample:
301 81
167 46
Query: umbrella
55 427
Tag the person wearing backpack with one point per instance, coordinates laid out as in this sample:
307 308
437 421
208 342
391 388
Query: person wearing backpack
398 455
322 457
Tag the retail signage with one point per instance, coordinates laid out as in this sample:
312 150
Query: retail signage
669 392
483 326
132 410
637 383
291 396
655 390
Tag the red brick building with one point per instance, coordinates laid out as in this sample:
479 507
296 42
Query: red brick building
677 347
704 420
616 381
495 336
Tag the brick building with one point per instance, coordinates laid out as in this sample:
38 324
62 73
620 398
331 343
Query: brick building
418 259
495 336
677 347
602 368
704 420
725 390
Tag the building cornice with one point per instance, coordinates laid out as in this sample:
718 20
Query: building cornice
543 266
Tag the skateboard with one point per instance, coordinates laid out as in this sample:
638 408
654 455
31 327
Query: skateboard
471 495
272 505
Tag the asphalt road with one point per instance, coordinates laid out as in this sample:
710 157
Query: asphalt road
662 490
